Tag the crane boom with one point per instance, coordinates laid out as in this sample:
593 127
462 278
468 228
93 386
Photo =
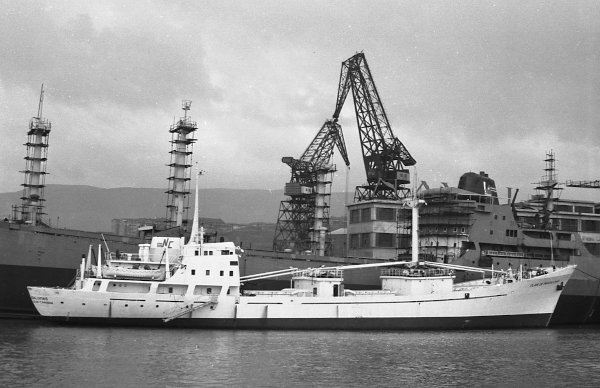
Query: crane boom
384 155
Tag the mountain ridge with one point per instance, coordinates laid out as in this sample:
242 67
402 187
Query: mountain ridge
92 208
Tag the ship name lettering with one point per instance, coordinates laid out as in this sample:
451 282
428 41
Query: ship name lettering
543 283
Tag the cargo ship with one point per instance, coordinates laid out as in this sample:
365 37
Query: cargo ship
467 225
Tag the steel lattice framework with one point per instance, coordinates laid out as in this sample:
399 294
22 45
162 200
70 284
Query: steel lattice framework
31 210
385 157
303 222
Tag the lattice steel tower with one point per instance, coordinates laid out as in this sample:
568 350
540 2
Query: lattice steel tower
31 209
179 169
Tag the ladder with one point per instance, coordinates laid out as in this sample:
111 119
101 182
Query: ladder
195 305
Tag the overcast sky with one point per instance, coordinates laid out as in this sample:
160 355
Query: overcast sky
467 86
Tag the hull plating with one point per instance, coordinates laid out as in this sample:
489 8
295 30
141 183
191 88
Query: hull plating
455 323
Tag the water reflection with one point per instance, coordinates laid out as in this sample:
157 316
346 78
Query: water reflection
37 353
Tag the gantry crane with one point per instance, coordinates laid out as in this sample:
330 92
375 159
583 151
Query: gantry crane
385 157
303 222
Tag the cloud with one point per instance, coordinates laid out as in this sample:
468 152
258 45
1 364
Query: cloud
466 88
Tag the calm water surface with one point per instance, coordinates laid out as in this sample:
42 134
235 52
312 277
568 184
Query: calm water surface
36 353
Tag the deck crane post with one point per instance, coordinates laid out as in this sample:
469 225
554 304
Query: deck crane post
384 155
303 221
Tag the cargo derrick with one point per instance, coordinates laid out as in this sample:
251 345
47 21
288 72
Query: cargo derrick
384 156
31 209
303 222
179 175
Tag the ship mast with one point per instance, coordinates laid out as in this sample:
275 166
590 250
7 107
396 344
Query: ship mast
182 143
35 167
548 185
197 235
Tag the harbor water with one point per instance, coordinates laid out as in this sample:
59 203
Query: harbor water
36 353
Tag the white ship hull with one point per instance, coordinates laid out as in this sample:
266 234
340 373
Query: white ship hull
526 303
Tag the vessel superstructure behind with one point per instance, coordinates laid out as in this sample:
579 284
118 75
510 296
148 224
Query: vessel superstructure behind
468 225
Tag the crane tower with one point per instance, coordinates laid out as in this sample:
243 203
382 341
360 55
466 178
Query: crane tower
303 222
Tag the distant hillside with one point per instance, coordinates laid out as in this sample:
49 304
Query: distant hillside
92 208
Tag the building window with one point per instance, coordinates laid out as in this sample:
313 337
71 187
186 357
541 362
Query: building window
354 216
365 215
385 240
385 214
193 272
354 241
221 273
230 273
365 240
208 272
590 226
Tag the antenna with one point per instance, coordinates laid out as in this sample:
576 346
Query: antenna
41 104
